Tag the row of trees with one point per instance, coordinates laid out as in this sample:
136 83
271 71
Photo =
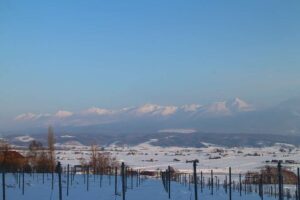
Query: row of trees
38 158
42 159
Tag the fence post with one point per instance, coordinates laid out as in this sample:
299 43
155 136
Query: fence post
240 180
230 196
169 181
19 172
123 180
261 189
298 183
201 181
195 179
116 180
3 184
212 182
23 183
87 178
68 179
52 180
58 169
279 181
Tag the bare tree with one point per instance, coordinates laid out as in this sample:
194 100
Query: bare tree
4 150
35 148
51 142
101 161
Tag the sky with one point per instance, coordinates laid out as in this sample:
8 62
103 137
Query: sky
72 55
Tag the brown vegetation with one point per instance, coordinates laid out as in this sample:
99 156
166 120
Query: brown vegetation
270 176
10 160
100 161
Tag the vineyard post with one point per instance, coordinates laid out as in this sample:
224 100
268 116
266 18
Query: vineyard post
195 179
123 180
240 178
229 183
68 169
3 185
298 183
212 182
23 185
59 180
116 180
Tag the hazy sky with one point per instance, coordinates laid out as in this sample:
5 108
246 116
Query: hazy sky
76 54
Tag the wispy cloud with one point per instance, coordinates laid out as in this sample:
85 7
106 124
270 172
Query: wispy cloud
25 116
63 114
98 111
30 116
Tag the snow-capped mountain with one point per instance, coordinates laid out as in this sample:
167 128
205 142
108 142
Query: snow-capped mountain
231 116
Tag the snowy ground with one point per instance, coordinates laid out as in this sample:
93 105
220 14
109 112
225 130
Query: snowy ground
150 189
148 157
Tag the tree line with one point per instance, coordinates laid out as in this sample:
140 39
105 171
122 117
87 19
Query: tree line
40 158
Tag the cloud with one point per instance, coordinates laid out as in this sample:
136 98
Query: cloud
30 116
148 108
191 107
157 109
177 131
25 116
63 114
98 111
169 110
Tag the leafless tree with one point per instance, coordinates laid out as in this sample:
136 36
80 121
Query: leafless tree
51 148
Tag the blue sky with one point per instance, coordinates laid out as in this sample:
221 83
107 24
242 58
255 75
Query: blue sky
76 54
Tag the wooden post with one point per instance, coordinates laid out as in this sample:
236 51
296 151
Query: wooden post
230 196
169 182
240 179
116 180
123 180
195 179
87 178
109 175
201 181
279 181
68 171
3 185
212 182
298 183
131 176
20 179
137 178
58 167
261 188
23 183
52 180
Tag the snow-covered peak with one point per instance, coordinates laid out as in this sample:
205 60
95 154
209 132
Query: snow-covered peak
218 108
155 109
239 105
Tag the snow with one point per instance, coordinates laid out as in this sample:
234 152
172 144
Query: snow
148 157
67 136
25 138
149 189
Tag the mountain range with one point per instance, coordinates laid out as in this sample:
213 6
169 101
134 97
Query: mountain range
232 116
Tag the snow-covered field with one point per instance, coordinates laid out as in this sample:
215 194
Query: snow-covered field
147 157
149 189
